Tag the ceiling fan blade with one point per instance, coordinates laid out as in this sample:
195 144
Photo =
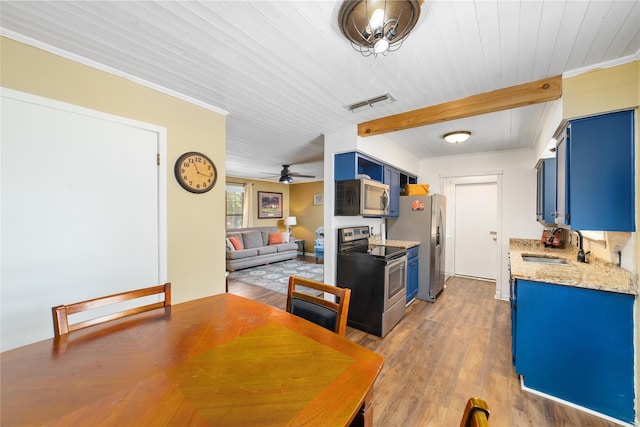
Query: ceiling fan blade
286 173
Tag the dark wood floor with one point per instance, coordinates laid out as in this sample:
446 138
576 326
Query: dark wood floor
441 354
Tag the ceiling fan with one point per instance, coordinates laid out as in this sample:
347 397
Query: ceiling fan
286 176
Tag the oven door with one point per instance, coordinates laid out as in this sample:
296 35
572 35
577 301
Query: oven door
394 293
395 281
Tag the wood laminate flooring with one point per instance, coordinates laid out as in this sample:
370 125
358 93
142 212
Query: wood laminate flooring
441 354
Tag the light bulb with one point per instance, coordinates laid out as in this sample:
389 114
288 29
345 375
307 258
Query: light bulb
381 46
377 19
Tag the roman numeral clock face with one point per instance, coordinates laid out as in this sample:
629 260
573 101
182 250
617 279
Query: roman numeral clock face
195 172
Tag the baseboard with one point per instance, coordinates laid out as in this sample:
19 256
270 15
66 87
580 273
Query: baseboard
573 405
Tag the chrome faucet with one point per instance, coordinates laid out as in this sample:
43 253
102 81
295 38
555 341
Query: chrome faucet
582 257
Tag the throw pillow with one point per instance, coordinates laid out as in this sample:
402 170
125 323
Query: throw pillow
229 244
252 239
275 238
237 244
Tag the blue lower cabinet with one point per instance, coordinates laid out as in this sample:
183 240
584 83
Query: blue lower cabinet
412 273
576 344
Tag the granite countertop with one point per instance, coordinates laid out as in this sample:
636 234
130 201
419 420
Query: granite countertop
595 274
393 243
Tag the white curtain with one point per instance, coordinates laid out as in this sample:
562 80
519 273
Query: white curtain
247 208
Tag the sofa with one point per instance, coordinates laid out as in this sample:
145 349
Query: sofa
251 246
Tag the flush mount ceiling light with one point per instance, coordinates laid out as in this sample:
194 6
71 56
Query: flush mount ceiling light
377 27
457 136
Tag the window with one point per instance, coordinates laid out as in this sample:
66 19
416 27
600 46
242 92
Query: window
235 205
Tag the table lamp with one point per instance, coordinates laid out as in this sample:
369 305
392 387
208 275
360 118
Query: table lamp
289 221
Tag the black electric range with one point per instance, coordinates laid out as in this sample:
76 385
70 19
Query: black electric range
355 241
377 277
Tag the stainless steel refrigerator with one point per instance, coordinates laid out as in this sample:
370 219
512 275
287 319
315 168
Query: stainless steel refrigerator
422 218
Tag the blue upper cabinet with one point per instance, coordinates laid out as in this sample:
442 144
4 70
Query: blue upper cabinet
546 191
350 165
392 178
595 173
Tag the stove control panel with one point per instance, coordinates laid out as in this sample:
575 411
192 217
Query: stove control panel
350 234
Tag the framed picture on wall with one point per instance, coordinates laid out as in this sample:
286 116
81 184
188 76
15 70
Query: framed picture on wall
318 199
269 205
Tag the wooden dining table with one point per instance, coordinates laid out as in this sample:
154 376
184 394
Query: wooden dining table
218 361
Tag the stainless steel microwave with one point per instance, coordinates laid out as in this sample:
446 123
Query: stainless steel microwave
361 197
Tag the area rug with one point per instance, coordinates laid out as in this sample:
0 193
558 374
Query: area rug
275 277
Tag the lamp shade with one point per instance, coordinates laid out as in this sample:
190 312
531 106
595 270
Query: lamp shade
290 220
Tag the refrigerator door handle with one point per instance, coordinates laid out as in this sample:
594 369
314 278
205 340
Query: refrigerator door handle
438 235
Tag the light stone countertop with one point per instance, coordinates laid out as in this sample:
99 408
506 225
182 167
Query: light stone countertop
393 243
595 274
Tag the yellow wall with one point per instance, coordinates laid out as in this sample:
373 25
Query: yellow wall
600 91
196 258
309 216
256 186
297 201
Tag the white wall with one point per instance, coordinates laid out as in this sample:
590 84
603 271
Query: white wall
517 190
553 121
344 140
337 141
381 148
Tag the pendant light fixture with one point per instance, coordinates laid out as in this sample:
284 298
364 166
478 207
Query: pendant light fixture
377 27
457 136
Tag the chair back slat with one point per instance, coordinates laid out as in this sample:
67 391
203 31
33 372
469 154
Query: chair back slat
340 307
61 313
476 413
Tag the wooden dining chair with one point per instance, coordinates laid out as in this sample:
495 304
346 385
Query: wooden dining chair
476 413
328 314
61 313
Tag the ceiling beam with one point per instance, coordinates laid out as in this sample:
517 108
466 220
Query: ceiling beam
522 95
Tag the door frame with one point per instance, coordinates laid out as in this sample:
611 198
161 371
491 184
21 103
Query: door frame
448 184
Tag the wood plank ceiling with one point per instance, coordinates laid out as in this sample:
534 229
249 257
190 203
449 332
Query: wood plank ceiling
285 73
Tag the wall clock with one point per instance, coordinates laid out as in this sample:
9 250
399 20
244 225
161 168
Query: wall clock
195 172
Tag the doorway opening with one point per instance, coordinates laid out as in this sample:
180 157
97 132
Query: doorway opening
474 233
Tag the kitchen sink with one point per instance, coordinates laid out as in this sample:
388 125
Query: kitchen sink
545 260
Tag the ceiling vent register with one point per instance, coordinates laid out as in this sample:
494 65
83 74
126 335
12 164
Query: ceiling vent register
387 97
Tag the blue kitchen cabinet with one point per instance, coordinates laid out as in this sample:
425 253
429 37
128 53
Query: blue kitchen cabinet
392 178
350 165
412 272
546 191
514 319
406 179
575 344
595 173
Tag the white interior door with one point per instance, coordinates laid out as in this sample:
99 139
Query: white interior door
476 230
81 212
